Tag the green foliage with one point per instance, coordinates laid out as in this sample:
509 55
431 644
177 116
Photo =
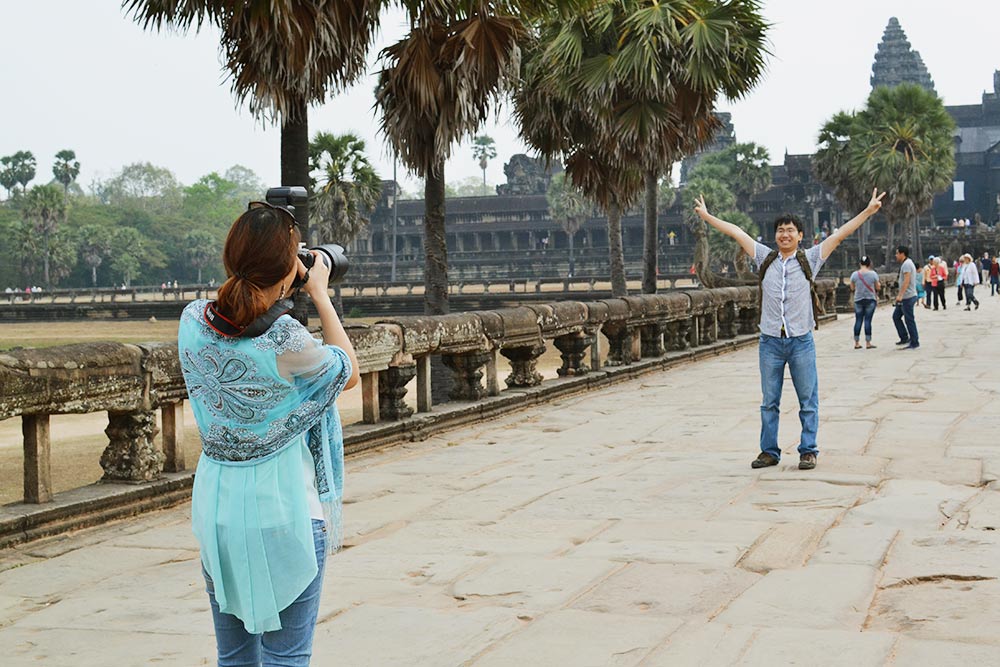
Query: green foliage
92 240
15 169
127 253
722 202
901 142
483 150
66 168
44 209
142 186
744 168
94 243
567 205
347 188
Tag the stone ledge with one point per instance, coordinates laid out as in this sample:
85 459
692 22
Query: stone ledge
101 502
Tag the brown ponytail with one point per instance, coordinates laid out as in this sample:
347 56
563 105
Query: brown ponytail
259 253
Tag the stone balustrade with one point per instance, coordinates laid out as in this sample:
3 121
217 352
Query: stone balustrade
131 382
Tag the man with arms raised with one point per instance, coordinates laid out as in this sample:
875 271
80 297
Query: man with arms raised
787 317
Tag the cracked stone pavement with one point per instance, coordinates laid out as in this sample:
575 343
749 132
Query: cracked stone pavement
622 527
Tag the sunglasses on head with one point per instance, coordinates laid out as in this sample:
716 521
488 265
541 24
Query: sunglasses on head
280 209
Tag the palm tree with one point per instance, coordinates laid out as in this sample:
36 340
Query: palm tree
636 81
910 151
570 208
44 209
66 168
346 191
95 244
832 164
484 150
201 248
901 142
744 167
437 85
281 57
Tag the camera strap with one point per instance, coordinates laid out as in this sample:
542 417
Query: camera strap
219 323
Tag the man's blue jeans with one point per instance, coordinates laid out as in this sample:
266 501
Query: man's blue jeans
904 311
291 646
799 353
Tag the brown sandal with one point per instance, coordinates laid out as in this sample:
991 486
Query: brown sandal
857 346
872 347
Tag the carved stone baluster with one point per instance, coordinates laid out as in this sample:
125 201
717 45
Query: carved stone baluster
131 455
686 330
619 344
573 350
468 375
392 392
523 365
652 339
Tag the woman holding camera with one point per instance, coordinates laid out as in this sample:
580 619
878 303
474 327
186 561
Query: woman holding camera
266 505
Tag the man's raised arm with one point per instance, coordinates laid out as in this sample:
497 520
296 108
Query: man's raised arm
830 244
727 228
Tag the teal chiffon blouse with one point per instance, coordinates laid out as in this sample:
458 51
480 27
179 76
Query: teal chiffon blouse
265 408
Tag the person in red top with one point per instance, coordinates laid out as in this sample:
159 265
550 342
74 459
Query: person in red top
939 276
994 277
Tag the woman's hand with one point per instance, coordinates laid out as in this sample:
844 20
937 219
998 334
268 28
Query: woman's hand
318 284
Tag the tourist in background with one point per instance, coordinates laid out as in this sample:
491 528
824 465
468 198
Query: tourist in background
968 277
266 502
866 289
925 274
942 282
984 266
788 312
906 299
994 276
958 283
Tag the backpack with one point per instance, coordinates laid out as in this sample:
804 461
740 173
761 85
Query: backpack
800 255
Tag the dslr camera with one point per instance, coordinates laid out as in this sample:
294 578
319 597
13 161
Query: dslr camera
332 254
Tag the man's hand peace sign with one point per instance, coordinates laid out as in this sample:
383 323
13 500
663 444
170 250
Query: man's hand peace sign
876 202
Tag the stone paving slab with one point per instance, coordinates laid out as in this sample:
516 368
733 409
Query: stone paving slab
620 527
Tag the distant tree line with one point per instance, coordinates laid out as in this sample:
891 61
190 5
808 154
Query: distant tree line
139 226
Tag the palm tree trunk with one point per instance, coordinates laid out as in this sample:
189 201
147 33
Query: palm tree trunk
616 257
916 237
295 171
572 268
435 243
890 227
650 229
93 276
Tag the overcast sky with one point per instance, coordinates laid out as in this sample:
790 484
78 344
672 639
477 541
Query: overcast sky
79 74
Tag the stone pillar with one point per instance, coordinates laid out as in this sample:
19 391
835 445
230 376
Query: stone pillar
492 383
468 374
523 369
172 421
494 241
619 345
728 321
748 320
392 392
424 401
573 350
37 459
686 329
369 397
652 339
595 349
131 455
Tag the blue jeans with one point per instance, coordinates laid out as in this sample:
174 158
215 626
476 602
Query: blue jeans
289 646
907 333
863 311
799 353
